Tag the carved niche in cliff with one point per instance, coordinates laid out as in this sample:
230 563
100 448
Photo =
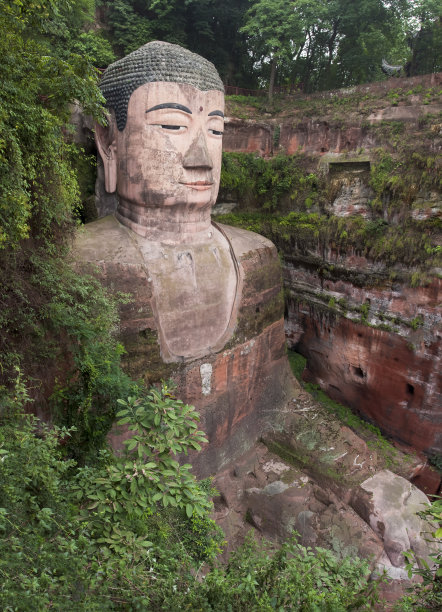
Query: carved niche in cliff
206 304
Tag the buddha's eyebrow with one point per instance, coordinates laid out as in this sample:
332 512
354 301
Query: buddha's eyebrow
217 112
173 105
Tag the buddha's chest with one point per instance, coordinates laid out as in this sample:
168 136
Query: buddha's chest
195 289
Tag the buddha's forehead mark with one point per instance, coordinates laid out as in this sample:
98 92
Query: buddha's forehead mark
216 113
173 105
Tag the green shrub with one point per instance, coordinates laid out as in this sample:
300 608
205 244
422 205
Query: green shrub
293 578
85 539
426 595
268 183
132 532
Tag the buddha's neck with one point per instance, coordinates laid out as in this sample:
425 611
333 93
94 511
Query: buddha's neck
167 224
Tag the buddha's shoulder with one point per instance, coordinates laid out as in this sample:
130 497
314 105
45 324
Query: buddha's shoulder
244 242
105 240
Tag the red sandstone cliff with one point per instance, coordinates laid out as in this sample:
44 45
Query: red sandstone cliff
371 339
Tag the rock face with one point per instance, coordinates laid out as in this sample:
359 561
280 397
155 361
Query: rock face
319 137
319 478
248 137
391 377
239 387
391 510
370 333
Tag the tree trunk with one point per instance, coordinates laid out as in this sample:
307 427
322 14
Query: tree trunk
272 78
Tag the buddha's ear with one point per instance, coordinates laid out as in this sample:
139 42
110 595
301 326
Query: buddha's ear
105 137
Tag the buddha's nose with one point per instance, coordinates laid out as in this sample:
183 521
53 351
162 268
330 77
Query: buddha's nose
197 155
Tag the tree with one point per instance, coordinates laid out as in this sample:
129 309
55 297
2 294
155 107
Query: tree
424 25
325 43
37 87
206 27
275 34
57 325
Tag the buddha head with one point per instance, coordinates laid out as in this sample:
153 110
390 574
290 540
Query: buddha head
162 146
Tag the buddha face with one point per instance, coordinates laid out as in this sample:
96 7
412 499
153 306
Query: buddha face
169 153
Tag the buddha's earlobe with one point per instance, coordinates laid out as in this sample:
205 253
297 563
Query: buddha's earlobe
107 147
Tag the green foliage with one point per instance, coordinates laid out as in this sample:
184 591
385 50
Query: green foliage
275 33
43 547
90 539
428 594
293 578
323 45
426 37
94 45
36 180
267 183
417 322
161 427
397 180
55 549
52 315
436 461
300 233
297 364
55 324
203 26
364 309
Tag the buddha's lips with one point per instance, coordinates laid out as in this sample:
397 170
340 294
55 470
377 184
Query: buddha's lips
199 185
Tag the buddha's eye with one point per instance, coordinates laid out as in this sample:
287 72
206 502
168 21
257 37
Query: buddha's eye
176 128
171 127
216 132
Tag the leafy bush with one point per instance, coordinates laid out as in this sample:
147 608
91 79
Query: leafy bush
132 532
268 183
85 539
293 578
428 594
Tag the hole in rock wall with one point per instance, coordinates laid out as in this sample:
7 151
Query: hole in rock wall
348 166
410 389
357 371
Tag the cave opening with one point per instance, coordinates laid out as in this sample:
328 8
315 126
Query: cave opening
410 389
357 371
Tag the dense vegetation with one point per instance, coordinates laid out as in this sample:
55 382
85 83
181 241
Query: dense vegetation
320 44
133 532
83 529
55 325
302 224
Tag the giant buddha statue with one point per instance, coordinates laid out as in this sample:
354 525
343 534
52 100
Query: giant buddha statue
206 307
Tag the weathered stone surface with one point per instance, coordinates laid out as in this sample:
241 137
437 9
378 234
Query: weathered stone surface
391 377
426 478
250 384
316 137
237 388
377 373
353 199
390 504
105 203
248 137
403 113
274 493
83 125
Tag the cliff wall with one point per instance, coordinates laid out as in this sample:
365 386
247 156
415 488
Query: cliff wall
360 236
